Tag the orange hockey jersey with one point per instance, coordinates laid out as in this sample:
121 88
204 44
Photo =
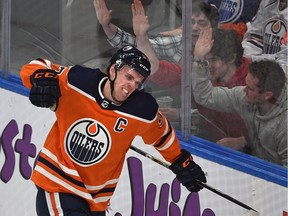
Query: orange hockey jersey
85 150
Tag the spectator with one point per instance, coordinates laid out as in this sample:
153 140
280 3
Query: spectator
98 116
166 47
262 103
228 68
233 14
263 37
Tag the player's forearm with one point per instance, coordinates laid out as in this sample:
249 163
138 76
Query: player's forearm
144 45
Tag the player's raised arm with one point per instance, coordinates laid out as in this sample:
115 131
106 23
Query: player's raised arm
43 81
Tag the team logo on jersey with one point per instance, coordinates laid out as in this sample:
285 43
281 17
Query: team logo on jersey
230 10
274 32
87 142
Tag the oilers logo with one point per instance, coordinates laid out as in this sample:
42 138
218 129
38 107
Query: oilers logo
230 10
274 32
87 142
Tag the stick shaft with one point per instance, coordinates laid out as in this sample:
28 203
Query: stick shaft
162 163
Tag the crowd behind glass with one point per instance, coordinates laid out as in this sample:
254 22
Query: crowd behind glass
69 32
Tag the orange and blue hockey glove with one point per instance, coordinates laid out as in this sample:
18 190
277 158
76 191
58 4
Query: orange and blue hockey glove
188 172
45 91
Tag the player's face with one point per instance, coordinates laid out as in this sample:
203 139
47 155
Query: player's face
128 80
253 95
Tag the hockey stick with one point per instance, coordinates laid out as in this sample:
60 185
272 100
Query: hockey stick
162 163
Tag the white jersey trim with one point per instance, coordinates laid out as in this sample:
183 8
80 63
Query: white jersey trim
171 140
55 159
135 117
62 183
99 187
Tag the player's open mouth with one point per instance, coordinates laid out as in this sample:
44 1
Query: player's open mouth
125 91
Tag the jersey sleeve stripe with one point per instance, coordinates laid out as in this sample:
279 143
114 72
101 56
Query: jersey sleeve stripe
88 187
164 138
99 187
170 142
102 199
165 141
50 155
63 183
60 172
104 190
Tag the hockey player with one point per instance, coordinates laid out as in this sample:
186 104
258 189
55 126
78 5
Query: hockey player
98 116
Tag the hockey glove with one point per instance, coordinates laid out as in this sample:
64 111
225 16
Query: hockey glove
187 172
45 91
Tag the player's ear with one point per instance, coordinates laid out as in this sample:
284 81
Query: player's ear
112 72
